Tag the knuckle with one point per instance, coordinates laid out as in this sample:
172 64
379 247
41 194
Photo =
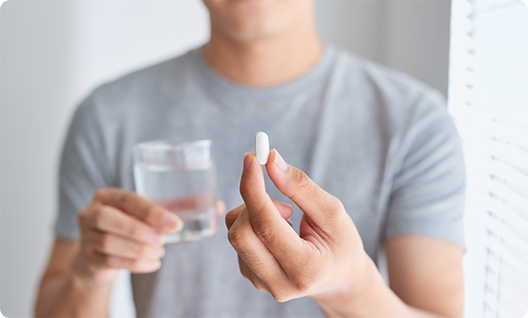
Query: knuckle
303 285
108 261
305 281
128 198
136 232
259 285
144 251
153 212
230 218
246 191
245 275
237 239
99 195
81 216
99 217
105 241
264 229
280 296
302 181
336 204
85 248
334 208
244 269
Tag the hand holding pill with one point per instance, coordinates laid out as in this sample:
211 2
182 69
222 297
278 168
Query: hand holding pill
325 261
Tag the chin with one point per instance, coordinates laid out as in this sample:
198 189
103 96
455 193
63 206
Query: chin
248 20
252 31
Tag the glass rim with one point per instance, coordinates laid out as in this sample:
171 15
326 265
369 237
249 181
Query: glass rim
168 145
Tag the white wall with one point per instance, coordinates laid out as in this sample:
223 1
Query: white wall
416 38
36 93
53 53
412 36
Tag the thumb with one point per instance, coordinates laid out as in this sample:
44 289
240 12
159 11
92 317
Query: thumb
320 206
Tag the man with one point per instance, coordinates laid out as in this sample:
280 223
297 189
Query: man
379 143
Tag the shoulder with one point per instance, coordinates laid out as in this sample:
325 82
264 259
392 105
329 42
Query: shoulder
394 88
396 100
140 87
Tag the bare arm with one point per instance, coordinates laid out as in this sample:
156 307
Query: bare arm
119 230
63 294
426 281
426 273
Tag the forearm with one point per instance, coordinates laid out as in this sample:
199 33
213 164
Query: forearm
376 300
67 295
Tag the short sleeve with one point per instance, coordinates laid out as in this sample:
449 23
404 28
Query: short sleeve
83 168
428 189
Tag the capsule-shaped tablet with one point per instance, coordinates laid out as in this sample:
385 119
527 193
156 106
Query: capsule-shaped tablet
262 147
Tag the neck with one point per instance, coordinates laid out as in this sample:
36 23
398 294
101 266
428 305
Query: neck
265 62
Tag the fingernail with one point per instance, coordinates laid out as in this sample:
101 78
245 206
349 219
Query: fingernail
281 164
247 161
153 264
154 237
170 221
160 252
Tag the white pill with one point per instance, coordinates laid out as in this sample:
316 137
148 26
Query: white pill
262 147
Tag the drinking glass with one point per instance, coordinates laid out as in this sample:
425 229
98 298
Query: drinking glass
182 179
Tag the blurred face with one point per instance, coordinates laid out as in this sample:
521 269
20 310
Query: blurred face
247 20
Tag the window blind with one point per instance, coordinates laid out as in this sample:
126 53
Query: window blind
488 99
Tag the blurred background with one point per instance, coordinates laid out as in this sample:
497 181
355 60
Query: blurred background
54 53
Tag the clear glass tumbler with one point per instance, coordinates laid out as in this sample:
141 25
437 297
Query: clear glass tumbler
182 179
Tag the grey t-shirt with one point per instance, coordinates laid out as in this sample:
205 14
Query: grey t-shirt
376 139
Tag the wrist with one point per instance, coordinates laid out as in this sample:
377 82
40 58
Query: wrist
367 296
82 275
348 300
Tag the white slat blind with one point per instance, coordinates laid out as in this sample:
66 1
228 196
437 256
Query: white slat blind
488 98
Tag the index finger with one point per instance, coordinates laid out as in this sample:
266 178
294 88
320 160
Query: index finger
267 222
320 206
134 204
